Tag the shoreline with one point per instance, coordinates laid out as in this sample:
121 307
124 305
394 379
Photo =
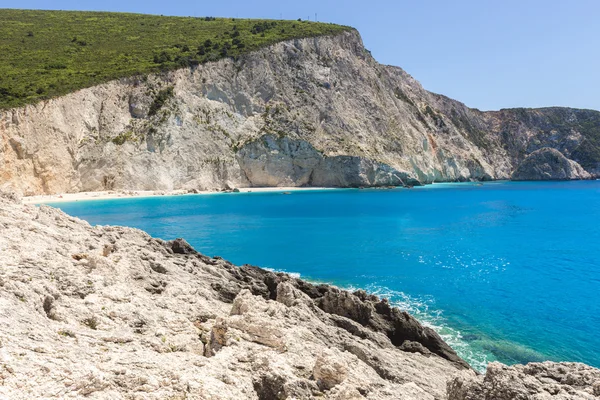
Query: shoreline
232 313
296 283
124 194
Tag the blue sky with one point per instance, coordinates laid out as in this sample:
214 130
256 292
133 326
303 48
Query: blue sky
488 54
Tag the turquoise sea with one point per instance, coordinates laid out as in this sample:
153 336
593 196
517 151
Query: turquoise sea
504 271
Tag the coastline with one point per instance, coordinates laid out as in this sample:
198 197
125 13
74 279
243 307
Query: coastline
57 199
202 315
477 349
123 194
318 340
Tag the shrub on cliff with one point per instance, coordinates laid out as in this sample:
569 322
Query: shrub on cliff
95 47
160 99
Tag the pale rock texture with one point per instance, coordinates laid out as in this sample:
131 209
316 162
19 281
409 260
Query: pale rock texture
548 164
307 112
112 313
535 381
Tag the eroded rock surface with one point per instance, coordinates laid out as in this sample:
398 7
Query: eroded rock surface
548 164
112 313
358 313
272 161
535 381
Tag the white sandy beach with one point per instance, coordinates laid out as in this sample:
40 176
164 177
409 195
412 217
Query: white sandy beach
68 197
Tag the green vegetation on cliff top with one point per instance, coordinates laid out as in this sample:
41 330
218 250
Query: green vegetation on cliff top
51 53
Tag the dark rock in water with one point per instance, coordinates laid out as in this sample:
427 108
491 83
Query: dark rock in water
471 337
548 164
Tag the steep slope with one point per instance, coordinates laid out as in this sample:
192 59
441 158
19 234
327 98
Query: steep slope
573 132
306 112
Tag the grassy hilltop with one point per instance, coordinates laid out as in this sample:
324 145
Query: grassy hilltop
51 53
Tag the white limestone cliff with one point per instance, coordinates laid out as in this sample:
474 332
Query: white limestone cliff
308 112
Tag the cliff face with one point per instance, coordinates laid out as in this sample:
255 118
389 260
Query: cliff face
548 164
318 111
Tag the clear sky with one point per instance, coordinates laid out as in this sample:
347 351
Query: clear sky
489 54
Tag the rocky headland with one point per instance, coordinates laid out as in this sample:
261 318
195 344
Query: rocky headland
317 111
111 313
548 164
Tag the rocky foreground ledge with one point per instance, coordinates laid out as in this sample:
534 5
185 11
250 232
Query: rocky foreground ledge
112 313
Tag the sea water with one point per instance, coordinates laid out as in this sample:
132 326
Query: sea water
503 271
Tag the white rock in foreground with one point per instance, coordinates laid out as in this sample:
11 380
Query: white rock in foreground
111 313
535 381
